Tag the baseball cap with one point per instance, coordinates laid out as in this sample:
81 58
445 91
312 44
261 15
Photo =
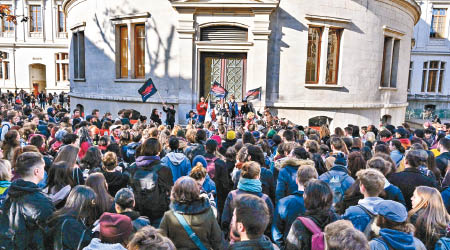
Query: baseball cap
391 210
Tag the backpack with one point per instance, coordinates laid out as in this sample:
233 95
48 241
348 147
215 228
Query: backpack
211 167
443 244
1 130
318 237
198 150
3 198
368 229
151 194
336 187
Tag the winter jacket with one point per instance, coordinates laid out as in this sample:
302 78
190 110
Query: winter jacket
338 171
299 236
137 220
262 243
287 210
393 239
144 164
201 219
358 216
393 193
69 233
408 180
59 197
96 244
156 119
221 180
267 180
442 162
286 183
446 198
178 163
170 117
116 180
229 207
225 145
25 212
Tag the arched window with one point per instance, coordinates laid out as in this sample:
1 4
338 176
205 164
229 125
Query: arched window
223 33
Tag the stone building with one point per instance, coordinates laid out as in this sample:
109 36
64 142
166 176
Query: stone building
340 61
429 77
34 52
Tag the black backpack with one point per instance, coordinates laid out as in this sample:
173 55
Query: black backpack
198 150
152 196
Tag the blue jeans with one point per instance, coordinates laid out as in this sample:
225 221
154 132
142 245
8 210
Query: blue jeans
201 118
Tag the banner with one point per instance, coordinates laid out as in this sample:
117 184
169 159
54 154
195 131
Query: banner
218 91
253 94
147 90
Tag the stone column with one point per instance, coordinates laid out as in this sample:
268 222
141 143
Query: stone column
261 34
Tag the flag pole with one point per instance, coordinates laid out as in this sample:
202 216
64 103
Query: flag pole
160 97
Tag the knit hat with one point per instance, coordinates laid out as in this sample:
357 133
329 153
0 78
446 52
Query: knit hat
231 135
115 228
256 135
217 139
340 159
201 159
271 133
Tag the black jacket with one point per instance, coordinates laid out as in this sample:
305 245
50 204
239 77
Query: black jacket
299 236
170 115
156 119
25 212
116 180
262 243
222 181
137 220
408 180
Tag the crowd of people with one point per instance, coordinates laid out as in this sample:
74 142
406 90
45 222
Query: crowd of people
75 181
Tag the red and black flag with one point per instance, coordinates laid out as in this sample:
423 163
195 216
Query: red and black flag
147 90
253 94
218 91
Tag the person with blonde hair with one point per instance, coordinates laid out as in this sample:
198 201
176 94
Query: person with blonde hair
5 180
428 215
148 238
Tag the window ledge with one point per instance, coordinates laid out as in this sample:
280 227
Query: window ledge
388 88
323 86
130 80
79 79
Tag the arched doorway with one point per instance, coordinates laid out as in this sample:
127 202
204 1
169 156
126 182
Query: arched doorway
38 79
81 108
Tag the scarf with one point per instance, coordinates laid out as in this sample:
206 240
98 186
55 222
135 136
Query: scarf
250 185
146 160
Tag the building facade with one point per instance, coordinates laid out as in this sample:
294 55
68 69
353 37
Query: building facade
340 62
429 79
34 52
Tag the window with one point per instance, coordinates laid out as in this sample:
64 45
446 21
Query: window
411 64
6 64
35 18
7 27
139 51
313 54
61 20
438 23
432 76
123 51
334 40
130 47
391 57
62 67
78 55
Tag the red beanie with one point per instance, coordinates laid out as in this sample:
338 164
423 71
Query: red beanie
115 228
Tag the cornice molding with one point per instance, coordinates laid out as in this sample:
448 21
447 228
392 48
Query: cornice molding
225 4
410 5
